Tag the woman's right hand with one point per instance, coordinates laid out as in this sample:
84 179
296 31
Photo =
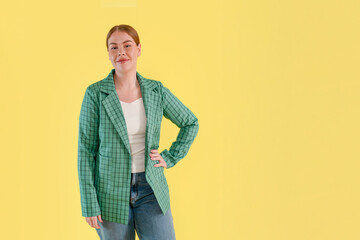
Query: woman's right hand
92 221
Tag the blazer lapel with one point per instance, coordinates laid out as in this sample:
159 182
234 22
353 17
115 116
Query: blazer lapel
114 110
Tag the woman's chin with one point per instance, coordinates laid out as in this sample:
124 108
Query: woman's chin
123 68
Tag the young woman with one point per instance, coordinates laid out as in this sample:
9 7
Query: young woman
121 173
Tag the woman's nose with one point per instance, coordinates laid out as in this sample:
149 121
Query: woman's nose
121 52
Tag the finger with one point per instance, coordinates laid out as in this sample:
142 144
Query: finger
157 159
94 223
161 164
88 220
91 222
100 219
154 154
154 158
97 224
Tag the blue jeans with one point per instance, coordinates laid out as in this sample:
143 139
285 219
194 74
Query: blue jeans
145 216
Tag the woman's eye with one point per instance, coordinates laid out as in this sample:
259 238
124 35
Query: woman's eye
127 45
113 47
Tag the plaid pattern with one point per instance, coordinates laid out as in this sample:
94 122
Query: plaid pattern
104 155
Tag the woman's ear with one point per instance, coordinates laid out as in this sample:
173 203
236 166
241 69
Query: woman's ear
139 47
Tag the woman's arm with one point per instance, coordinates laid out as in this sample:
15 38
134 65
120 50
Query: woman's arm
181 116
87 150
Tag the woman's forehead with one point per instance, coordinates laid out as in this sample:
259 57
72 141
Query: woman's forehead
120 37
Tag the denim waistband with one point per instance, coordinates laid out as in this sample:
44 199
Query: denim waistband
138 177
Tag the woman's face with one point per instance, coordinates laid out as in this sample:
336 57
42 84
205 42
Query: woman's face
122 47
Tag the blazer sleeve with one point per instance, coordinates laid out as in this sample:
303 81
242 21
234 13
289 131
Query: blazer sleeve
181 116
88 145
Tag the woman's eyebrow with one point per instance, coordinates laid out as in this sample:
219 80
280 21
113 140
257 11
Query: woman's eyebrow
122 42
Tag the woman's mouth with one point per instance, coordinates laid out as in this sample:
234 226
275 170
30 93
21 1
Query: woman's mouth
123 61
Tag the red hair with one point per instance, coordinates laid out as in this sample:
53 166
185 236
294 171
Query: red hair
123 28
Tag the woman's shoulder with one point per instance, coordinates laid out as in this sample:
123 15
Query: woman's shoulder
153 83
94 87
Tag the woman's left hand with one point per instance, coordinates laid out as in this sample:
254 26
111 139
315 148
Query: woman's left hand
155 155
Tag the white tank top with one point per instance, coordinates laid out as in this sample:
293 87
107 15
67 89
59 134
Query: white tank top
135 118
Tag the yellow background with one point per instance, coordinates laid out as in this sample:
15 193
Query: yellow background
274 84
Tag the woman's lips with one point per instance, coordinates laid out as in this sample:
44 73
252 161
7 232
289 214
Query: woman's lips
123 61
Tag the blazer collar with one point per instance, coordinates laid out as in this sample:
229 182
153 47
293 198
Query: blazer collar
108 84
114 110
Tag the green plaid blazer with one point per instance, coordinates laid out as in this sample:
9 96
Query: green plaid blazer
104 155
